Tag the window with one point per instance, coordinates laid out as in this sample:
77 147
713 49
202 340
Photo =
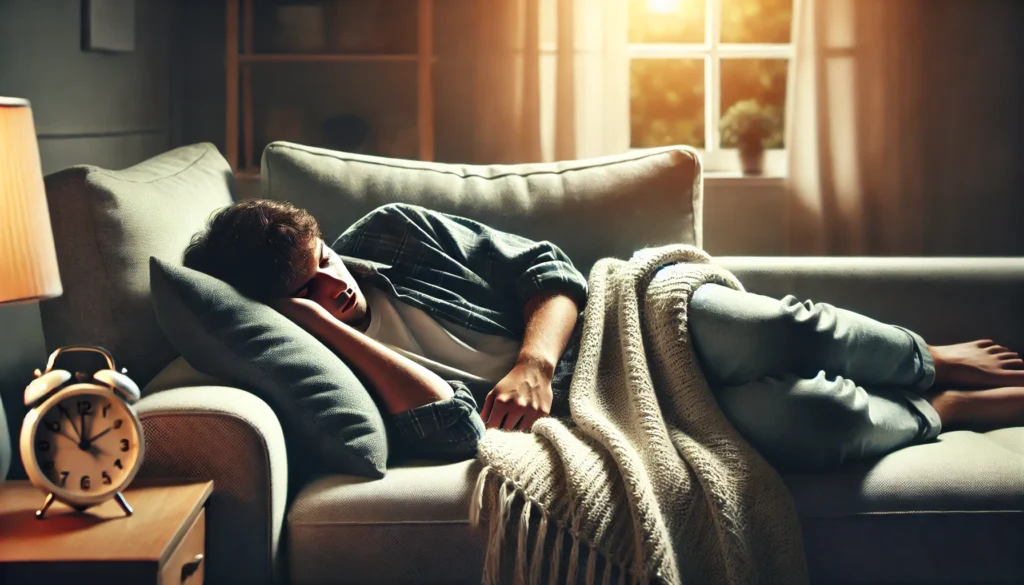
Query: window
692 60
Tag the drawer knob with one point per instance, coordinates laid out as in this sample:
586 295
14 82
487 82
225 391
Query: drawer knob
190 568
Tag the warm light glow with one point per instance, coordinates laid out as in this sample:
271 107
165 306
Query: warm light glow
28 261
663 6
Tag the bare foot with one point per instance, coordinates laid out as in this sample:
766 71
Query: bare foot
979 409
976 364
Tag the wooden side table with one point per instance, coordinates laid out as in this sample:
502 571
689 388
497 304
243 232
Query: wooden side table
162 543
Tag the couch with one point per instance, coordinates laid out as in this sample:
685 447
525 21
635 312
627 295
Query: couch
947 511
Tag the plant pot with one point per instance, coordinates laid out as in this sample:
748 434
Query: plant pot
752 160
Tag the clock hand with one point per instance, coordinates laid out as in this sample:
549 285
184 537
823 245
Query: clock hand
64 412
69 437
91 439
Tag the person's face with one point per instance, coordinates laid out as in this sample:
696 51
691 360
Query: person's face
327 282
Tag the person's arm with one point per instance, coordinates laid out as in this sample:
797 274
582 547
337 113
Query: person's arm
524 395
515 268
401 383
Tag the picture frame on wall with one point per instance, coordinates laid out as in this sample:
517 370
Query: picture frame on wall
108 26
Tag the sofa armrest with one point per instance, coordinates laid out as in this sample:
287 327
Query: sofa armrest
233 438
946 300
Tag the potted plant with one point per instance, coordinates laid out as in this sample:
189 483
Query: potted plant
750 128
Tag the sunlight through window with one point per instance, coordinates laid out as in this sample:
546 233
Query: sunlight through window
691 61
663 6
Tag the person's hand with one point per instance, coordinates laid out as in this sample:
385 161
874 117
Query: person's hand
519 399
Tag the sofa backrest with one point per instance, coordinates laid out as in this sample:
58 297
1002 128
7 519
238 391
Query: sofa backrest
106 225
593 208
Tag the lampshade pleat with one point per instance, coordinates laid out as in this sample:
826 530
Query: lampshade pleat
28 260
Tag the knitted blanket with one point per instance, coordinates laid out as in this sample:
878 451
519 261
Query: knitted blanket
648 482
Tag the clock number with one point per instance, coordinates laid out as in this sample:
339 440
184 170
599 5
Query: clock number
117 423
43 445
84 484
117 464
106 478
106 407
125 445
84 407
64 478
53 425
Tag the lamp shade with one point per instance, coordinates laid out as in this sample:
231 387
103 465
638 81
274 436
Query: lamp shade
28 260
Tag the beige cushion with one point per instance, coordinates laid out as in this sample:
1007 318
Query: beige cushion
590 208
412 526
949 510
106 225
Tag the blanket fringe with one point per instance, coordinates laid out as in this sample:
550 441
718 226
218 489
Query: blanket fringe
537 561
556 559
591 578
522 567
529 562
477 503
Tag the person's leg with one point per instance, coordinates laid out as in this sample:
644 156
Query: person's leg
810 424
741 337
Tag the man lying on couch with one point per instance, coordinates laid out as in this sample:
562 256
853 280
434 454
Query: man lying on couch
458 327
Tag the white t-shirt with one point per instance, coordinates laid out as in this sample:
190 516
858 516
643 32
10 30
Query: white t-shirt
447 349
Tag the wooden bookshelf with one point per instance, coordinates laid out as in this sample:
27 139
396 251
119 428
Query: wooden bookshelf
241 58
326 58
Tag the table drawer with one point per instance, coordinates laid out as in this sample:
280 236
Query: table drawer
185 565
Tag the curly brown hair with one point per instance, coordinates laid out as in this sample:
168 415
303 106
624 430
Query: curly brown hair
258 246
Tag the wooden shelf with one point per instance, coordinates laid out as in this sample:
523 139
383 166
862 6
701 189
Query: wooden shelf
240 57
326 58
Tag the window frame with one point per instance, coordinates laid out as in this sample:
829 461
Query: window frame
712 52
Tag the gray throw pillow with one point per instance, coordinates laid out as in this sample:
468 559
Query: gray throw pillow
323 407
106 225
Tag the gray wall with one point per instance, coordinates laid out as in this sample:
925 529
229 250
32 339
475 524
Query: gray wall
111 110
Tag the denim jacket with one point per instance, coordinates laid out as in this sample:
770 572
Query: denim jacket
469 274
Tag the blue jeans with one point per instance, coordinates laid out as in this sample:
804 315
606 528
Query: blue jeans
446 429
809 385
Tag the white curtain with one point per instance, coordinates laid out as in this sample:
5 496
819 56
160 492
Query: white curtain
549 80
902 135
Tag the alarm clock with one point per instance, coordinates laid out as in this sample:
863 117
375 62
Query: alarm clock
81 441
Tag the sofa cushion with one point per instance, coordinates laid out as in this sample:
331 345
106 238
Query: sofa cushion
330 421
956 503
106 225
950 511
591 209
410 527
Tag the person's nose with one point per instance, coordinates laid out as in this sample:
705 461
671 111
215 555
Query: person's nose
329 286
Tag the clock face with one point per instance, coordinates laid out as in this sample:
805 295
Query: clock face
86 443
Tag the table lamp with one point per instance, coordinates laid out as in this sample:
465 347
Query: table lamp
28 259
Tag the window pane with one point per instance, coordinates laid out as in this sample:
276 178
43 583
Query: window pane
666 102
763 80
666 21
756 21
